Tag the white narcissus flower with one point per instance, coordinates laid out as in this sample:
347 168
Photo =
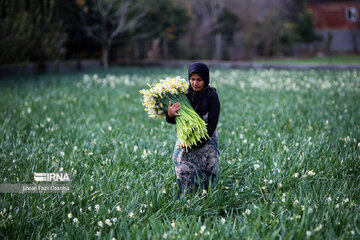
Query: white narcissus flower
311 173
346 200
318 228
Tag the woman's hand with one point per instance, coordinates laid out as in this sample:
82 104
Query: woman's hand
172 109
183 146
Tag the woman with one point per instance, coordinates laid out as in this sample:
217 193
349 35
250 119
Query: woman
200 164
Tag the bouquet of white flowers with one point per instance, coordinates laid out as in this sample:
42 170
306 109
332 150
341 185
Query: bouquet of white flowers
190 127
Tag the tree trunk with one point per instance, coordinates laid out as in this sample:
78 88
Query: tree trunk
136 49
328 43
267 48
218 46
105 56
165 49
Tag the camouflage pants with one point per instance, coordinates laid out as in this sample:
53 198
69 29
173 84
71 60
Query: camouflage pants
196 167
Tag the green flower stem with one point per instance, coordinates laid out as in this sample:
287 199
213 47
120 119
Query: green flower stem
190 127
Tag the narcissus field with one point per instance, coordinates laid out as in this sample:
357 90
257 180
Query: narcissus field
289 157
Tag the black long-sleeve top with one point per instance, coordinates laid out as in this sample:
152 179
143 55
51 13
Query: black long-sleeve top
204 102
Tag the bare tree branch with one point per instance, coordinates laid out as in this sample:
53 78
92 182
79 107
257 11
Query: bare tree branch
122 26
109 6
112 18
100 8
121 14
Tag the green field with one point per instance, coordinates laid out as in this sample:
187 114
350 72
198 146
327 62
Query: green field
289 143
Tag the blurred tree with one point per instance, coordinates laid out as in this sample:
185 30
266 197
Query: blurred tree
305 27
78 45
291 9
30 30
287 37
105 20
227 24
204 16
16 38
171 21
250 42
280 31
299 18
272 35
165 21
268 33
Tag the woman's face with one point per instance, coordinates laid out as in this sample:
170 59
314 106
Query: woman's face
197 83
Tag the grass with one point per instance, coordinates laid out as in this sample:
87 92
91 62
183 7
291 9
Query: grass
289 143
346 59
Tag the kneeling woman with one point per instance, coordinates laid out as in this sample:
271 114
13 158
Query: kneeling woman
200 164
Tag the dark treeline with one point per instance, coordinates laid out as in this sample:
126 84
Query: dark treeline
43 30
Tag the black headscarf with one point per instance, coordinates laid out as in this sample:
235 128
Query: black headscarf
202 70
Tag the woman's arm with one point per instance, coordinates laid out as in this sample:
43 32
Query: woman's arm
213 118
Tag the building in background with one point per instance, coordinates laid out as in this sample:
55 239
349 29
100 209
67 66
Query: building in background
337 22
